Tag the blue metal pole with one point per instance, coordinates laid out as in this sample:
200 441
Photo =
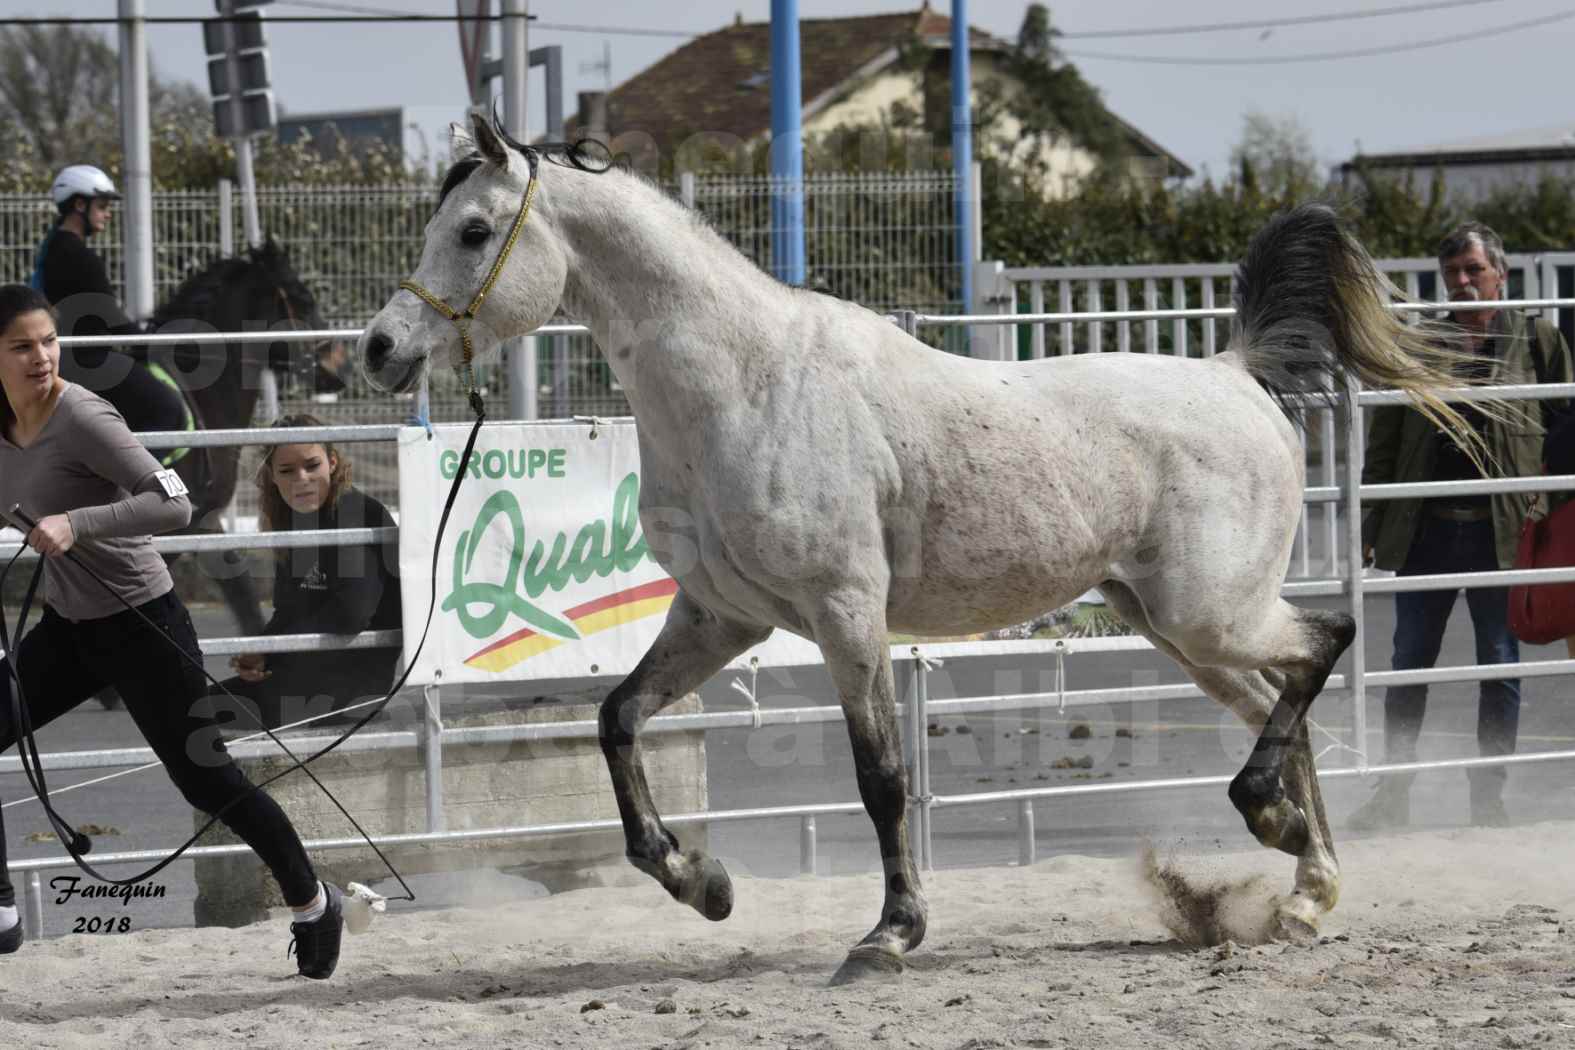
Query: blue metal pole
962 149
787 146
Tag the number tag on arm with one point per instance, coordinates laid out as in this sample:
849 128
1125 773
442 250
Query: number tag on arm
171 483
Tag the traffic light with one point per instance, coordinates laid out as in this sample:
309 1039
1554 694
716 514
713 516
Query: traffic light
238 74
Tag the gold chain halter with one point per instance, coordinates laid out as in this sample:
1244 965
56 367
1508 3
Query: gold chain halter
463 320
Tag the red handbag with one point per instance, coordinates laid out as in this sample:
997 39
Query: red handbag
1543 613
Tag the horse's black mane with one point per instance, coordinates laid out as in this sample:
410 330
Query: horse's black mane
269 263
582 155
457 174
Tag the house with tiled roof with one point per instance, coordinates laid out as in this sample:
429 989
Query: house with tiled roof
712 96
1473 168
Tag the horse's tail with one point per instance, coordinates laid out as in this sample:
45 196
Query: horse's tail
1311 310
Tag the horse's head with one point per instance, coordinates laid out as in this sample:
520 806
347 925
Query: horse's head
482 198
277 295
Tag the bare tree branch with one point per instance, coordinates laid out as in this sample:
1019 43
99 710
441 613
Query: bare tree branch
60 93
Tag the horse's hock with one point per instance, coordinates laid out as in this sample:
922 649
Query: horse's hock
505 784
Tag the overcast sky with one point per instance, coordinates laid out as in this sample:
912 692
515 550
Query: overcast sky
1488 85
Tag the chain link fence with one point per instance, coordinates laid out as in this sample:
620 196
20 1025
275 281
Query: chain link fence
883 240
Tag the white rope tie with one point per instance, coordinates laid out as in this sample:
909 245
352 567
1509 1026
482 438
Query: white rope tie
596 422
749 690
1337 745
929 663
360 904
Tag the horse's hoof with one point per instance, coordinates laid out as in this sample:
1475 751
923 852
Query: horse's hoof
1295 919
868 964
710 890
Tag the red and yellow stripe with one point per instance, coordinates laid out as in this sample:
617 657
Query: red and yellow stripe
599 614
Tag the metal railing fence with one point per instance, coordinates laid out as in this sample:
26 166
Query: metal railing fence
883 239
430 733
1093 310
1118 290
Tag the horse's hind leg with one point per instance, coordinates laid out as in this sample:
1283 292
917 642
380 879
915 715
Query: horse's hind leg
693 645
1310 642
1253 696
1250 695
851 631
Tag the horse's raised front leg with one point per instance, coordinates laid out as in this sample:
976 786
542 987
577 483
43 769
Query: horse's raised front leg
693 645
851 631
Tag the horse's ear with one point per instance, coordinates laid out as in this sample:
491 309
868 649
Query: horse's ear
460 144
488 142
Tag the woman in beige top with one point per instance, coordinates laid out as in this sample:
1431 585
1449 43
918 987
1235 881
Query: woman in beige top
111 615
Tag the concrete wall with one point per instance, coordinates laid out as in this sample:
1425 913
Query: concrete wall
484 785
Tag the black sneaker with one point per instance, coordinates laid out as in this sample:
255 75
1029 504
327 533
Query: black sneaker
316 944
11 940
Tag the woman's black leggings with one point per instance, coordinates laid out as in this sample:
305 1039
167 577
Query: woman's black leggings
63 663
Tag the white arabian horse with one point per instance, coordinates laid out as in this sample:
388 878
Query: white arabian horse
805 465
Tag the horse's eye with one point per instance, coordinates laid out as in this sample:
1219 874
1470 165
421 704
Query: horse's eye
474 235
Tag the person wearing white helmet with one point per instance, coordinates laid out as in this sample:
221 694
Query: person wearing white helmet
73 278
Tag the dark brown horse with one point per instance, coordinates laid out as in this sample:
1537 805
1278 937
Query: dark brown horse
255 291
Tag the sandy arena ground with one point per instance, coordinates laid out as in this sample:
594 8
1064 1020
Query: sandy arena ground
1442 939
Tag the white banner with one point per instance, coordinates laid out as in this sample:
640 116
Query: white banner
543 571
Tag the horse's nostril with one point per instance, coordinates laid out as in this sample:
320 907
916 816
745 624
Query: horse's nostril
378 347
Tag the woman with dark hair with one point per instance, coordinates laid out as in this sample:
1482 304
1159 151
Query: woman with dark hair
323 589
111 615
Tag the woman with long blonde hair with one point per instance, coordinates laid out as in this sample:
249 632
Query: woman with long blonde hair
322 589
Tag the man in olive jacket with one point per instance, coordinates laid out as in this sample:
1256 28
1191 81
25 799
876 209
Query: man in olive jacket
1452 534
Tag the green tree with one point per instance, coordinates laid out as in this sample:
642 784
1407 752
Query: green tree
1041 101
1056 104
60 94
60 104
1276 153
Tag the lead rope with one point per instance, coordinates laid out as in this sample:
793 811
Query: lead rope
32 764
462 321
750 690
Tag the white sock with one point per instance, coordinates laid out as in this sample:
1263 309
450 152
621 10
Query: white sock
315 910
8 918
